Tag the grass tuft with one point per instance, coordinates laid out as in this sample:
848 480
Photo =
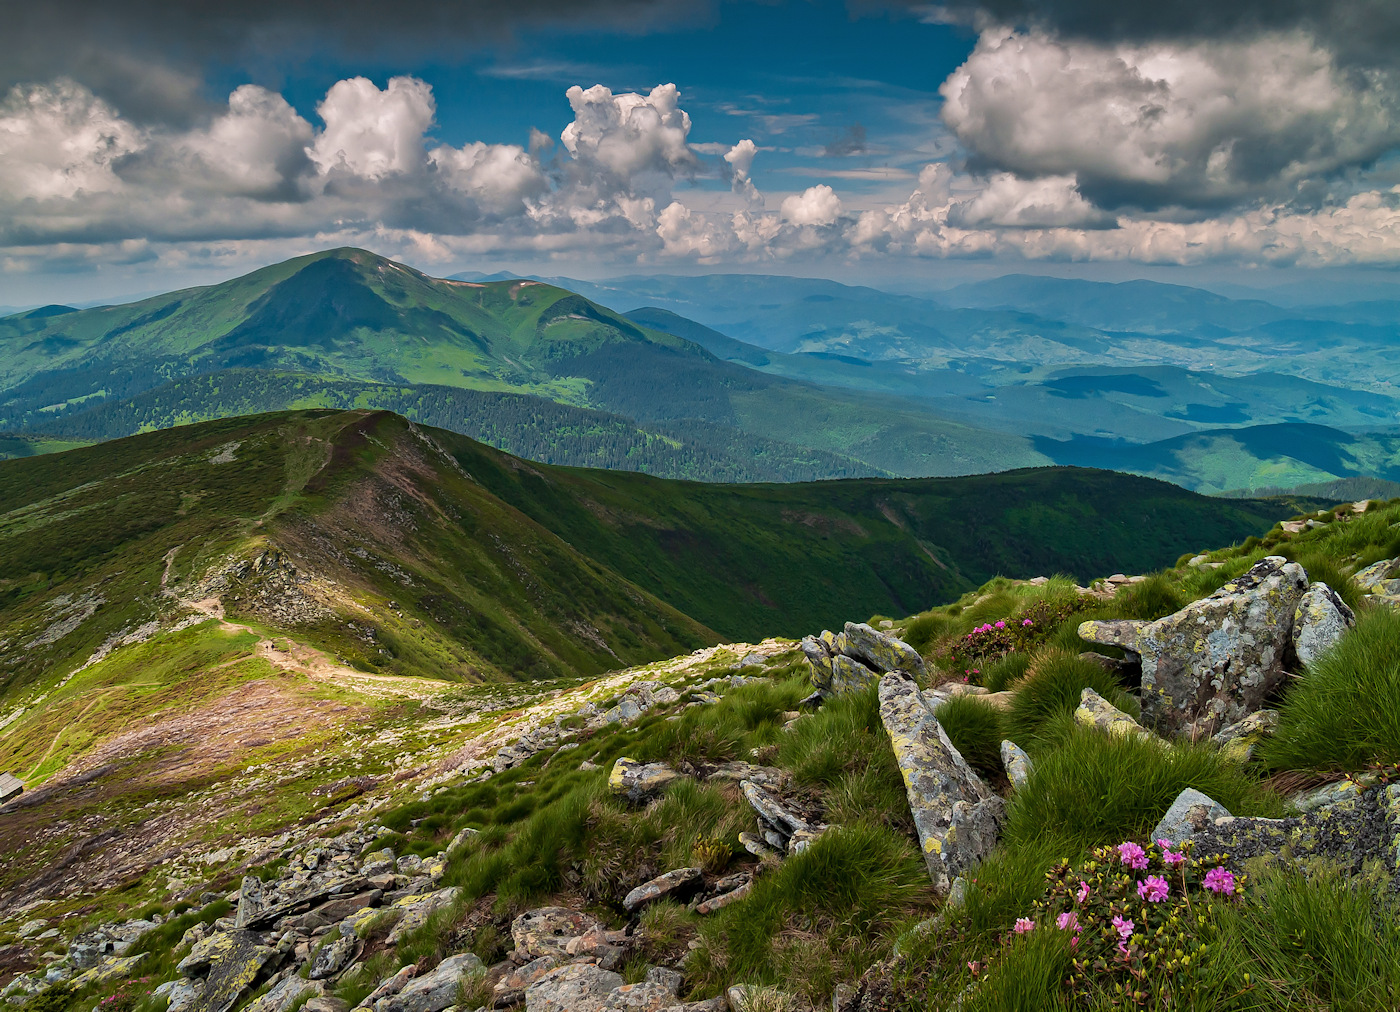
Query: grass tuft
975 728
1052 687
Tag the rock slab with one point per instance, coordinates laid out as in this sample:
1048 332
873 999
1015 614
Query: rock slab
1319 621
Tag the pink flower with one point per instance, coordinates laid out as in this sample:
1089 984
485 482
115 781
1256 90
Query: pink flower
1067 921
1023 924
1165 844
1001 624
1154 889
1218 880
1083 893
1173 857
1132 855
1026 621
1125 931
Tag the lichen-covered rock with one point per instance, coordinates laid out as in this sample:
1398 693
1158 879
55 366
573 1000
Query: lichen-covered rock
1329 794
957 817
417 909
848 675
436 990
1215 661
330 959
546 931
1238 741
1381 582
1319 622
882 652
236 962
180 995
111 968
1017 764
510 988
670 884
716 903
639 781
1095 711
583 987
818 654
1190 813
784 829
282 995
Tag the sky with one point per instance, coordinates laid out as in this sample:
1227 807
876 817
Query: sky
151 144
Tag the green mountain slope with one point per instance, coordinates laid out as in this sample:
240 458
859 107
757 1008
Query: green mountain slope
349 315
418 551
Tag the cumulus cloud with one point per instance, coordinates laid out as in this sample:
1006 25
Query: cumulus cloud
624 135
1007 200
372 133
258 147
1205 124
60 141
740 160
816 205
501 178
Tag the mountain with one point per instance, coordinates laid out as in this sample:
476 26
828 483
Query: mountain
416 551
1257 457
350 316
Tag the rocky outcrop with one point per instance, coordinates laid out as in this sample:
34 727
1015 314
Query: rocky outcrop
1319 622
1190 813
583 987
854 659
1017 764
1215 661
547 931
1238 741
639 781
232 964
436 990
1381 582
1095 711
957 817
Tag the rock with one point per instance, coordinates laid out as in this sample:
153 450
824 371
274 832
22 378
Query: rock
339 909
250 901
510 988
437 989
789 831
391 985
326 1003
1319 622
882 652
235 961
111 968
848 675
1381 582
417 910
598 941
284 994
1237 741
331 959
546 931
670 980
1198 560
1095 711
1190 813
31 928
720 1004
957 817
670 884
181 994
818 654
582 987
1327 795
1215 661
770 777
1017 763
715 903
756 846
638 781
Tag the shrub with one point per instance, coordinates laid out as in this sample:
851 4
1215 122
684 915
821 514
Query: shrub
1344 714
974 727
1092 789
974 652
1053 685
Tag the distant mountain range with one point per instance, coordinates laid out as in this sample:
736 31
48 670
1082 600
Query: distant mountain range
739 378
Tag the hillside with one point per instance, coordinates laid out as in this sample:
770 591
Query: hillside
348 315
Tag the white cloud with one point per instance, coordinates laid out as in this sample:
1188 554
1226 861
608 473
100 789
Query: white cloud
816 205
258 146
1007 200
1195 124
371 133
740 158
499 177
59 142
628 134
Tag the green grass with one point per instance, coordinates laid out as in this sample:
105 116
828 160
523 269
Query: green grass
1344 713
976 729
1092 789
1052 687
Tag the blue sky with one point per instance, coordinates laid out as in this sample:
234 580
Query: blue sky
156 143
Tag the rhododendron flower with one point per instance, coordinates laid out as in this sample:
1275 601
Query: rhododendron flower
1067 921
1001 624
1154 889
1218 880
1026 621
1023 924
1125 931
1132 855
1173 857
1165 844
1083 893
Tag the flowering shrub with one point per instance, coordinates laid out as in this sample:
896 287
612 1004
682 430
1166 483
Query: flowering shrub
992 641
1140 918
126 997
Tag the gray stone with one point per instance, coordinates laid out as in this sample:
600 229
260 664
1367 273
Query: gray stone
437 989
1095 711
1319 622
510 988
1215 661
546 931
583 987
1381 582
1238 741
1017 763
181 994
669 979
332 958
1190 813
818 656
957 817
235 962
250 901
283 995
848 675
882 652
789 830
670 884
724 899
639 781
417 909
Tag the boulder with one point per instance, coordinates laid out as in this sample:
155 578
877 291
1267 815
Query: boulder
716 903
670 884
583 987
882 652
510 988
1215 661
235 963
1319 622
957 817
437 989
1017 763
1190 813
282 995
547 931
1095 711
847 675
1237 741
639 781
818 654
111 968
332 958
1381 582
417 909
180 995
